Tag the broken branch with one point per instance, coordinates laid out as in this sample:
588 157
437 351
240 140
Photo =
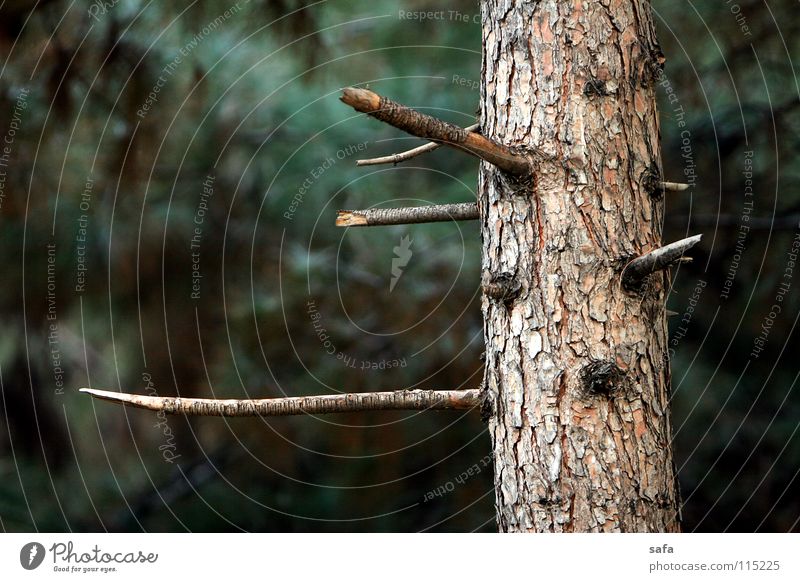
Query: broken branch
407 155
354 402
674 186
433 129
408 215
638 269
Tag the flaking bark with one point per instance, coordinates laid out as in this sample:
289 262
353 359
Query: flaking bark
577 374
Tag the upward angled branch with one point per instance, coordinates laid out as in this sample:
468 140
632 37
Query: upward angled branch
354 402
428 127
660 258
407 155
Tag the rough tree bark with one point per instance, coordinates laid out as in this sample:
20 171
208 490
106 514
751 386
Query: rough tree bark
577 375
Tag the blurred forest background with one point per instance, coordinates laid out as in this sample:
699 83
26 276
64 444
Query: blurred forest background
169 179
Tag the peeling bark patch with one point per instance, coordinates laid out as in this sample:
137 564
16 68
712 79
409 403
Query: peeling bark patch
602 378
513 392
534 344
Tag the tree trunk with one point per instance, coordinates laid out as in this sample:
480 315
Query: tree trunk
577 372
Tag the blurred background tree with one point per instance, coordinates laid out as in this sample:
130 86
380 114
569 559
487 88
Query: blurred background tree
191 157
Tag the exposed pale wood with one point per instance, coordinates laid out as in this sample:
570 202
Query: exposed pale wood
352 218
408 215
674 186
433 129
407 155
327 403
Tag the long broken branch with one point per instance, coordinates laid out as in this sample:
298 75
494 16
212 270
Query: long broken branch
408 215
638 269
354 402
407 155
433 129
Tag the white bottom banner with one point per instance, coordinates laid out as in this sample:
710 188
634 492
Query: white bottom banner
351 557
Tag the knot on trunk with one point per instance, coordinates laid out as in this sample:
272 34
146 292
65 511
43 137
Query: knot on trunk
651 181
488 405
502 287
595 87
602 378
649 68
